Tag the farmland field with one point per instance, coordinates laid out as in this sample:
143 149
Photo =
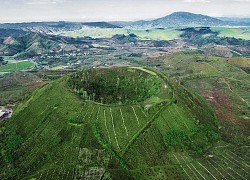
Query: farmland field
157 34
14 67
143 34
243 33
154 34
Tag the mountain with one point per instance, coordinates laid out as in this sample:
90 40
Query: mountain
177 19
180 19
236 21
52 27
28 45
22 44
101 25
118 123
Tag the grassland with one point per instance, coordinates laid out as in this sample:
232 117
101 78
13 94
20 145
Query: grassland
95 32
155 34
243 33
15 67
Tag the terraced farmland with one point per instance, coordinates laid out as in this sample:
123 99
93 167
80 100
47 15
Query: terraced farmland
65 131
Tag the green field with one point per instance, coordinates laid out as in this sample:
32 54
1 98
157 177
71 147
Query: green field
153 34
157 34
243 33
95 32
14 67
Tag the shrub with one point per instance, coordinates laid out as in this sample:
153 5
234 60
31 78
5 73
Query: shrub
11 142
197 140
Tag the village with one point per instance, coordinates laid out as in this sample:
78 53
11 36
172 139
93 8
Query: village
106 52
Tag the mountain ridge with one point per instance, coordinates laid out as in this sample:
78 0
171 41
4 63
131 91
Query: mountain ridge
176 19
181 19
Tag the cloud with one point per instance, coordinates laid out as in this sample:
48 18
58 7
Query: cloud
197 1
242 0
42 2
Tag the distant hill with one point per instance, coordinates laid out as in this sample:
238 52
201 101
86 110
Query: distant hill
12 32
177 19
22 44
180 19
101 25
50 27
236 21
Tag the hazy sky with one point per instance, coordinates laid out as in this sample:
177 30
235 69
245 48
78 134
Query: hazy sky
112 10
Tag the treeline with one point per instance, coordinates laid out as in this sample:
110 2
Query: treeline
204 36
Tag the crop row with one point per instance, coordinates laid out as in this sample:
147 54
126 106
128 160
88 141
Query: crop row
211 168
120 124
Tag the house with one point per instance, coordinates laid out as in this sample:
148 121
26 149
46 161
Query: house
5 114
2 113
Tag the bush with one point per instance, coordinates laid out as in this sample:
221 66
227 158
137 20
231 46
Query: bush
197 140
11 142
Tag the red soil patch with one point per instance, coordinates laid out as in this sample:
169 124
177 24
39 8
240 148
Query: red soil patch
34 85
224 108
240 62
8 41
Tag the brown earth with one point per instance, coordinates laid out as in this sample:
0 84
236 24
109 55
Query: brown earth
224 108
8 41
34 85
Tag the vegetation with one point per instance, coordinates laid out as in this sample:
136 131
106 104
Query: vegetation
242 33
15 67
11 142
222 83
184 141
152 34
204 36
187 120
112 86
129 140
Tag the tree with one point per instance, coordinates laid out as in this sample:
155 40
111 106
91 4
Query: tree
12 142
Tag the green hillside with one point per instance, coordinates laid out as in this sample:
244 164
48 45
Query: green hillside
70 129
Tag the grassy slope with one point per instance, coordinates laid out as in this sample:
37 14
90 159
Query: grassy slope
61 132
226 88
50 139
65 137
